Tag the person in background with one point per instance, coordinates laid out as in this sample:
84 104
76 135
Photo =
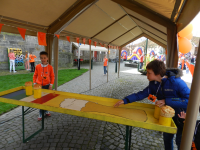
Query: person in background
27 61
32 61
196 137
105 64
141 60
12 57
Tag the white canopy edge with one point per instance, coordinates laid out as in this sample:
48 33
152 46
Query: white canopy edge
87 47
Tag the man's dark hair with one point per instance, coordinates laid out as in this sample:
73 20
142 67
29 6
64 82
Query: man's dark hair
158 67
44 53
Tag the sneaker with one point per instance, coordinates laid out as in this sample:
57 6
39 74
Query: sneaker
39 118
47 114
14 71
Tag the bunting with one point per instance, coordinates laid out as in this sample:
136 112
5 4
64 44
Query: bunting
101 45
95 43
68 38
41 38
77 40
22 32
57 35
1 26
89 41
84 41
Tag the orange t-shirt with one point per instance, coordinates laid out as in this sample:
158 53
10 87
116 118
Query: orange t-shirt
105 62
44 74
32 58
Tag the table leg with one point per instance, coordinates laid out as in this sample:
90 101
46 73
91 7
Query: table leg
128 138
23 126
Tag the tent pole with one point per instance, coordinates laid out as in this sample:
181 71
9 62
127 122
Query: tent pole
48 48
78 56
108 63
119 60
192 109
55 42
90 68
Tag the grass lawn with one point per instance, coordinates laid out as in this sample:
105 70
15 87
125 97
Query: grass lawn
11 81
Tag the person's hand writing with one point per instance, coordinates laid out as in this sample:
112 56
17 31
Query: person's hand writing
119 103
160 103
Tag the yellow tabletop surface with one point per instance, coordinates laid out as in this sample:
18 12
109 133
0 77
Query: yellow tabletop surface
100 108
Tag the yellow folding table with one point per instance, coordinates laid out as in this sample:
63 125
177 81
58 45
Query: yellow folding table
93 107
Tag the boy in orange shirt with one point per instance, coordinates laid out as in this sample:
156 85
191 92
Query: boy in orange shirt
32 61
44 75
105 63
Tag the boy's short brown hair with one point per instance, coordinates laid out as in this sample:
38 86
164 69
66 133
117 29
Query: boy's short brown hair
158 67
44 53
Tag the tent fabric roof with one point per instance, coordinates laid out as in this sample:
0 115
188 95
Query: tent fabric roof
93 48
113 22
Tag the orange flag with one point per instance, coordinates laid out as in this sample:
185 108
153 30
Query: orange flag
84 41
90 41
41 38
77 40
68 38
1 26
182 64
22 32
117 47
191 69
95 43
57 35
101 44
114 47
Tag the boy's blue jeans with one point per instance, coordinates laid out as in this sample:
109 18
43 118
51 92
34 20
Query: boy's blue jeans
40 112
104 68
168 139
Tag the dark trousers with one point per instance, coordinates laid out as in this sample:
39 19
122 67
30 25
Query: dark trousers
44 87
141 65
32 66
168 138
104 68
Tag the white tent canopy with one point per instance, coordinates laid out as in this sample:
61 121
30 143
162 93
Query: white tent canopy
93 48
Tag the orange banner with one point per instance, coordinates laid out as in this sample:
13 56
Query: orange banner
101 44
1 26
68 38
89 41
182 64
41 38
95 43
77 40
57 35
84 41
22 32
191 68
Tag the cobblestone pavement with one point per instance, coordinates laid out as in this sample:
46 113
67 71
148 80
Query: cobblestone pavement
67 132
